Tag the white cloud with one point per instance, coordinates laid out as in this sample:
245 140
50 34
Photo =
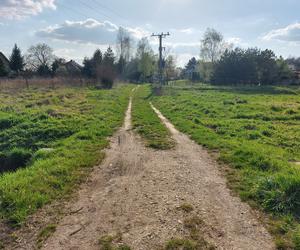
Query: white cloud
187 31
18 9
88 31
290 33
192 48
236 42
182 59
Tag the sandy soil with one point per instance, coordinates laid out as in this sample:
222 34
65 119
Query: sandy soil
136 193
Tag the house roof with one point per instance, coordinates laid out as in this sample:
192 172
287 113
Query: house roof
72 67
5 61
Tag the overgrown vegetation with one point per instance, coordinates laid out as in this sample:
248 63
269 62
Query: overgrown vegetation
147 123
50 137
256 131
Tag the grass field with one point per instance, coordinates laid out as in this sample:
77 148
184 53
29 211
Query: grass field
50 137
147 123
257 131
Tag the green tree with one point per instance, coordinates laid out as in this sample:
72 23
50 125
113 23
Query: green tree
191 70
251 66
284 71
92 66
97 58
108 73
16 60
146 60
56 64
87 69
109 57
170 67
96 64
212 45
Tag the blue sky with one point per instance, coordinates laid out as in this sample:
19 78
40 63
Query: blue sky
74 29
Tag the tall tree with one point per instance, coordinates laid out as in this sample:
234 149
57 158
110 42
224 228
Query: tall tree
284 71
251 66
212 45
96 64
87 69
170 67
124 44
108 68
146 59
16 60
40 57
191 70
109 57
97 57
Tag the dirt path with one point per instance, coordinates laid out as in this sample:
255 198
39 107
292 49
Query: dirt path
136 193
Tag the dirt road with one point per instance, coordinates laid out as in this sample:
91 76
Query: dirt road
137 192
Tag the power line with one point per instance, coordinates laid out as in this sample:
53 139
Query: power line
90 7
109 9
74 10
93 9
161 48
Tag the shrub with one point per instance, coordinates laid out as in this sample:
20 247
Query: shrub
14 159
7 122
281 193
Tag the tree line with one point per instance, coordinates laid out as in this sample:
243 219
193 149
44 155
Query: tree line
128 62
221 63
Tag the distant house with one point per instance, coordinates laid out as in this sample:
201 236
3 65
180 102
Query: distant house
5 62
70 68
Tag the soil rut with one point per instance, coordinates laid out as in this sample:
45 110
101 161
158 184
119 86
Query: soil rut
136 193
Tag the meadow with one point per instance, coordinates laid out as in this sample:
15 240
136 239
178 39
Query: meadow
255 130
49 139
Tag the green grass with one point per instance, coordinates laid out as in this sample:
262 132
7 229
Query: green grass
51 138
256 130
147 123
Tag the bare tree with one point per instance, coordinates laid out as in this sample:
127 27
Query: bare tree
124 44
170 67
39 56
212 45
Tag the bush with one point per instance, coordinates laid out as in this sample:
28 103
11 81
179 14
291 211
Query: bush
281 193
7 122
14 159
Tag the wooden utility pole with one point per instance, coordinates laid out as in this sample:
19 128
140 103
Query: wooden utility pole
161 48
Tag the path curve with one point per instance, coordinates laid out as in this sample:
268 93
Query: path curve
136 193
